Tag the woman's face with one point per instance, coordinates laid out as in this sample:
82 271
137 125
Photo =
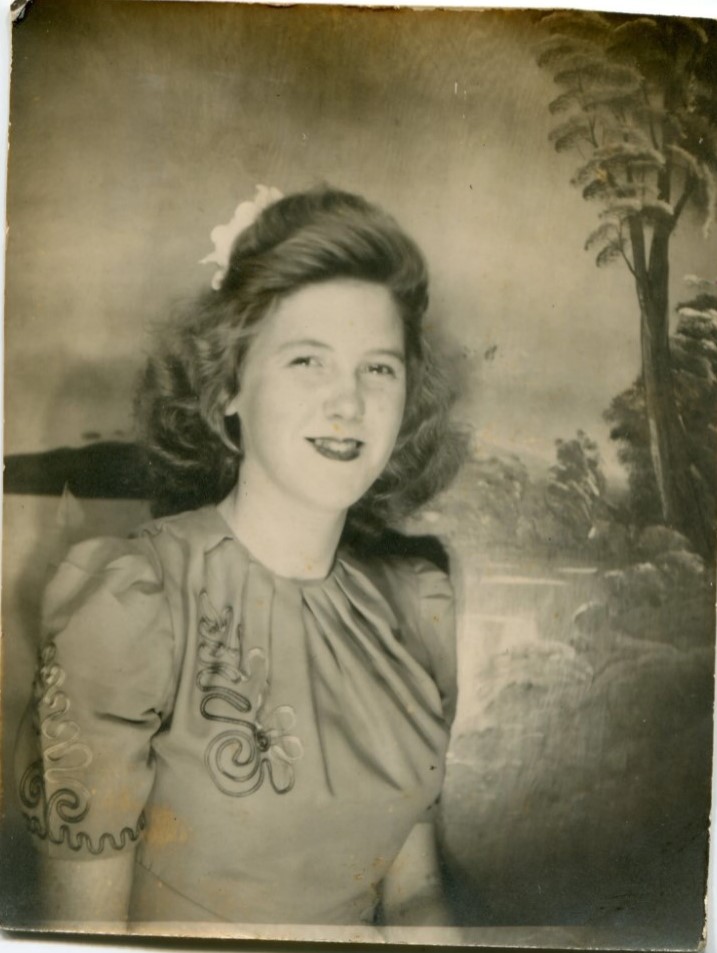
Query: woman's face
322 393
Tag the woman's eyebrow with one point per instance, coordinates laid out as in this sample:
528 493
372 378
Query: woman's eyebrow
388 352
313 342
302 342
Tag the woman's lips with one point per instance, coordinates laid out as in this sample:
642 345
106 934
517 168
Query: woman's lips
334 449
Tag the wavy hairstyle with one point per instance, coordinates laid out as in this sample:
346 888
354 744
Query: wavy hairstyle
194 449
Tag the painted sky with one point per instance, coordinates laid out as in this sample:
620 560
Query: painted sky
137 127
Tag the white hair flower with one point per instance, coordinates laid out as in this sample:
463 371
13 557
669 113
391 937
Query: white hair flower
223 236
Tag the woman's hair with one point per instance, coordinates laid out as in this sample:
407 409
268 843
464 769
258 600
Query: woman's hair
194 449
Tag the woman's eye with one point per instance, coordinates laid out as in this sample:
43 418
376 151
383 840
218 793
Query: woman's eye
305 360
381 370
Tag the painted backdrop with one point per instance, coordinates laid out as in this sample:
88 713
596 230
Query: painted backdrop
577 791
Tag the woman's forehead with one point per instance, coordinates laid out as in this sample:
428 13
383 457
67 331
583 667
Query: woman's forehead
339 314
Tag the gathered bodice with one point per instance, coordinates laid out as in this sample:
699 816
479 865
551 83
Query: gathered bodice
267 742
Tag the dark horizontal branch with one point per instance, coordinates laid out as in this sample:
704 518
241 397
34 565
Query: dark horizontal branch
110 470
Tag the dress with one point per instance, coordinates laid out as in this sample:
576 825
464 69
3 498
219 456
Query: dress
266 743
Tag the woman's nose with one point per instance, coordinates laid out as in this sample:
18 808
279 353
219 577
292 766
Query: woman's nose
345 402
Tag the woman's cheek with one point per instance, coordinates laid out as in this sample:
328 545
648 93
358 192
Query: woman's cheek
396 405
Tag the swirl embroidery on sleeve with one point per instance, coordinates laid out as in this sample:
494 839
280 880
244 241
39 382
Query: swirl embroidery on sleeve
65 756
259 744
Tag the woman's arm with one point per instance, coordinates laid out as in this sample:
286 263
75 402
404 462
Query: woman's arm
78 891
412 893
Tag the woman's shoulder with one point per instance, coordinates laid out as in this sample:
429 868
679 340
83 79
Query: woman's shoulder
420 595
136 563
412 575
200 528
106 615
113 574
114 562
412 568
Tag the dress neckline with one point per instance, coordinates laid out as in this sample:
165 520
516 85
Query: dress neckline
303 583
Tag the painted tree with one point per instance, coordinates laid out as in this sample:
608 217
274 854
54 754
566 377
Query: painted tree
639 105
575 491
693 353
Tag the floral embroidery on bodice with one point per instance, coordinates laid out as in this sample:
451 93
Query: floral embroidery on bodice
258 745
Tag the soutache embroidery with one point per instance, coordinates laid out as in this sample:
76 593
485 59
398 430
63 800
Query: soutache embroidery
65 753
69 807
64 758
259 744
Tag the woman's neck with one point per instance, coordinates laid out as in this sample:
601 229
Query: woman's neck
290 541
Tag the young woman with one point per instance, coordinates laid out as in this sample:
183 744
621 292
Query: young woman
241 713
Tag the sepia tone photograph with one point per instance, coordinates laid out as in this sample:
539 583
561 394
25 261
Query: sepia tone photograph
360 475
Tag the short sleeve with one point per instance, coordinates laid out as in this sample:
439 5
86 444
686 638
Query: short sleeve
103 687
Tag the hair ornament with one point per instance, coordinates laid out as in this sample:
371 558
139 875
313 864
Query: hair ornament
224 236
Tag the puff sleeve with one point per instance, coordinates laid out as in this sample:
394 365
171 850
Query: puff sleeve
103 687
